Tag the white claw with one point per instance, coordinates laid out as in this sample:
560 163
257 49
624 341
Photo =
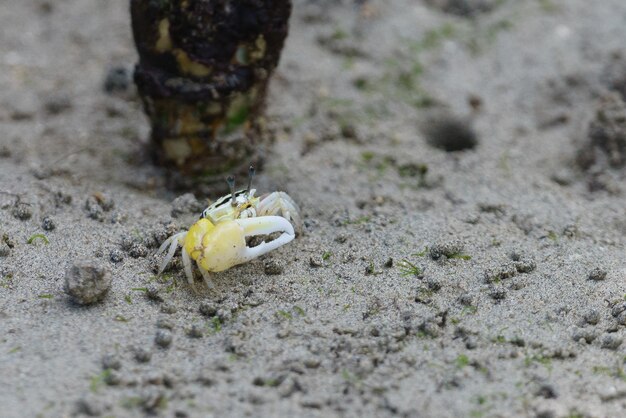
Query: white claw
265 225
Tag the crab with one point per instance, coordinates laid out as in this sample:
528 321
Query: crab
218 240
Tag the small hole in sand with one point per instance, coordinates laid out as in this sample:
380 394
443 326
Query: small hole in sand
450 133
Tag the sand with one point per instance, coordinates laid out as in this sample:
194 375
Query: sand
457 260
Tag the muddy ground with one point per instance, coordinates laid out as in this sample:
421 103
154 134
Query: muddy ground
459 168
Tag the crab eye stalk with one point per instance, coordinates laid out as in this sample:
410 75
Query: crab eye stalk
231 185
202 75
251 173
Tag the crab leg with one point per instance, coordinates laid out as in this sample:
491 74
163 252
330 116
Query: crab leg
173 242
207 277
187 267
281 204
264 225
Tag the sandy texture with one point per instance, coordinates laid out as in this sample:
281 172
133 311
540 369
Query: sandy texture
510 298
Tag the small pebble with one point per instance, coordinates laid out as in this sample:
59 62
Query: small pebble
118 217
446 249
154 293
562 177
499 273
163 338
8 241
106 202
571 231
111 361
22 211
142 355
273 267
87 282
208 309
610 393
165 323
206 378
186 203
430 328
57 104
592 317
195 331
341 238
159 236
547 391
258 381
618 308
94 210
516 284
116 255
116 109
5 250
256 398
597 274
117 79
585 335
497 293
152 400
466 299
349 131
613 326
5 151
153 378
158 379
312 363
523 263
247 280
113 378
168 308
48 224
127 241
138 250
471 343
316 261
389 263
433 284
289 386
89 406
42 173
61 198
24 107
370 269
611 342
224 315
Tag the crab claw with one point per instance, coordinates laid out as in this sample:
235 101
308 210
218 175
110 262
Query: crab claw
265 225
219 247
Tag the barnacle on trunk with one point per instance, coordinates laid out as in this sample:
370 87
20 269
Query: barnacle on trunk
203 71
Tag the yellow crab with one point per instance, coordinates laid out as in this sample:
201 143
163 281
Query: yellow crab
217 241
